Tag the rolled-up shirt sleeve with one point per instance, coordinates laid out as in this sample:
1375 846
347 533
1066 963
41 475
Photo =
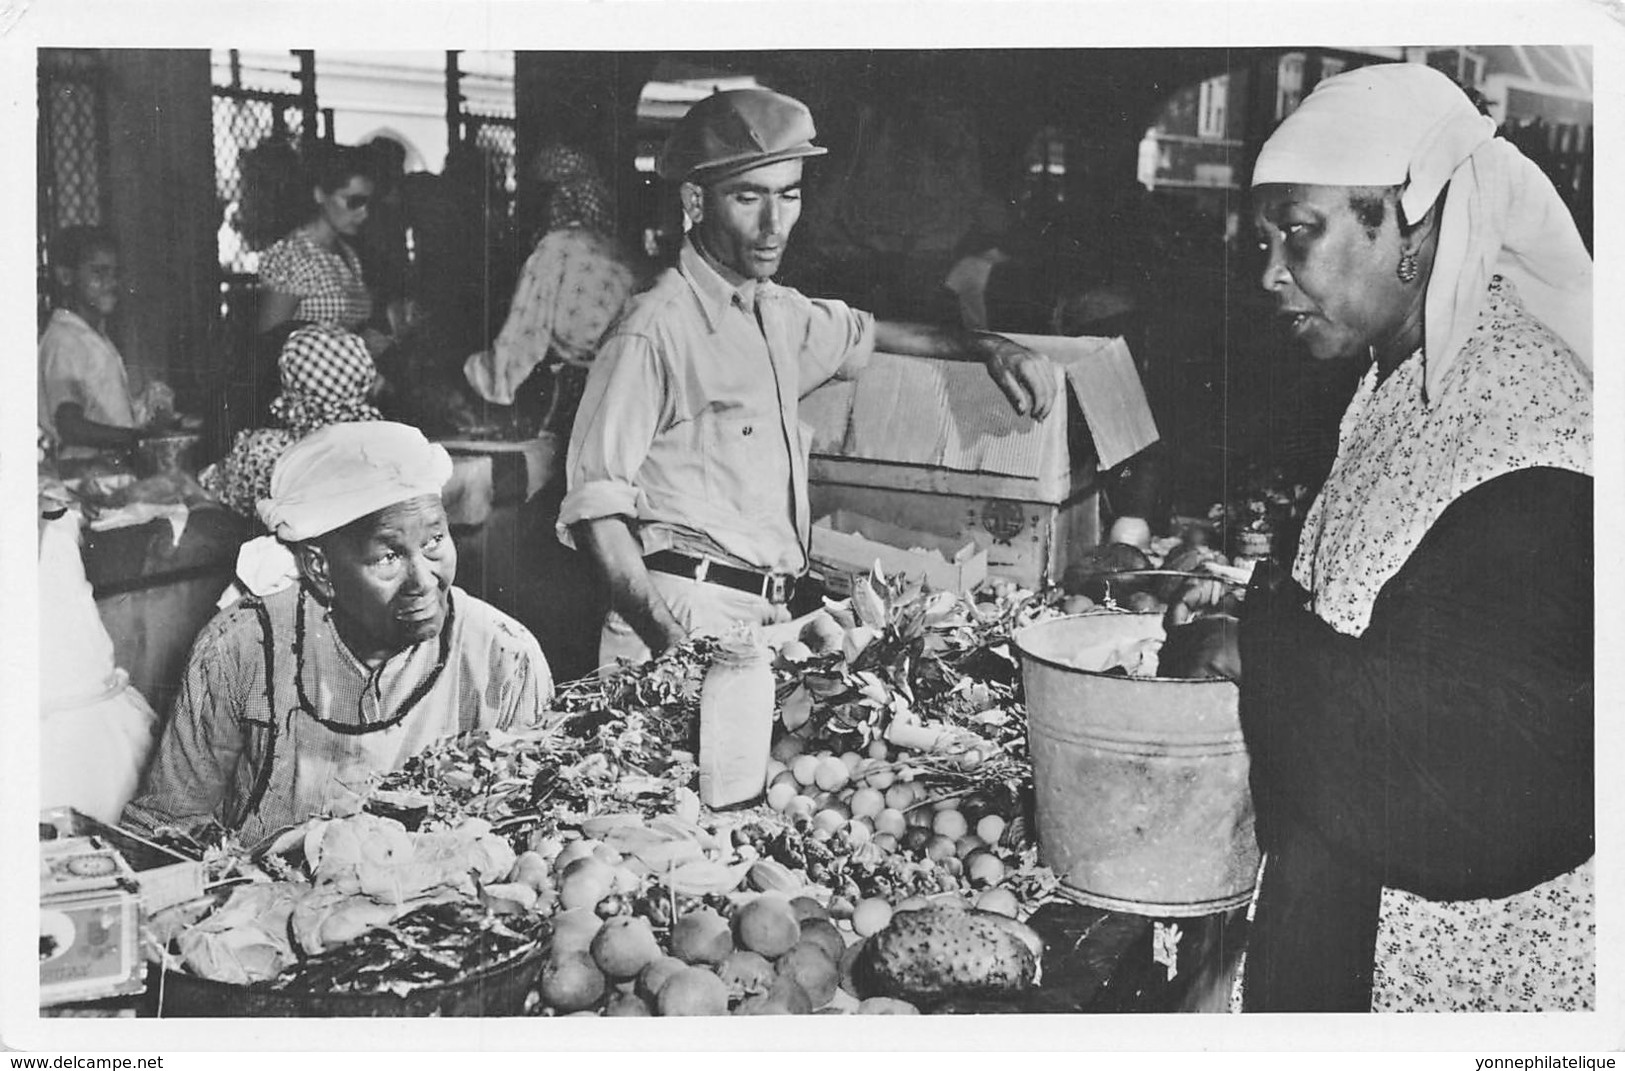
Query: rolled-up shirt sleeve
837 343
621 410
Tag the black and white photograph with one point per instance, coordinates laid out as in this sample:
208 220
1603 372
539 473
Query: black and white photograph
1077 520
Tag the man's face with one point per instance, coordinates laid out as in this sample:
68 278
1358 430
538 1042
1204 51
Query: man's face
389 574
744 221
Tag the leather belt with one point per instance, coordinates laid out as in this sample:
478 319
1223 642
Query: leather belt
776 588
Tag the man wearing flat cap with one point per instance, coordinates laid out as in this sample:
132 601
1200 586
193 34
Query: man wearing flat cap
688 465
354 652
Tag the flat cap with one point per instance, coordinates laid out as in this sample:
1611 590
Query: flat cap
736 130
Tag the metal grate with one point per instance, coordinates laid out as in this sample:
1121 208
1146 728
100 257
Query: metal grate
72 159
494 136
246 120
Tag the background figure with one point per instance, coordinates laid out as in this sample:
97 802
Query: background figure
572 288
85 402
96 731
314 274
383 236
328 377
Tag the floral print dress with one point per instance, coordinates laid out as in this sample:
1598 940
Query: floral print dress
1514 399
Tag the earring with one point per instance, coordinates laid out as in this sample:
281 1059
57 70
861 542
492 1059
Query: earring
1407 269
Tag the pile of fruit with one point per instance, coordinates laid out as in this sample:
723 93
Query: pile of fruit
771 954
885 869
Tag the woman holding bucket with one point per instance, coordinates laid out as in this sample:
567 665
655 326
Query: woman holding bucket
1417 697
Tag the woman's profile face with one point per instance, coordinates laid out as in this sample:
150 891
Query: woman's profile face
1334 281
345 209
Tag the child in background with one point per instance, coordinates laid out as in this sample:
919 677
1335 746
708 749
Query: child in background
85 404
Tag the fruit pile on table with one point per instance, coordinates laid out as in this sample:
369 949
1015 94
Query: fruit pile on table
887 867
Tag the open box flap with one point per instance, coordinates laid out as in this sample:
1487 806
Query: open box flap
950 415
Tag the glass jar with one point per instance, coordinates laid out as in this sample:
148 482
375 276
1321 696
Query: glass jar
736 725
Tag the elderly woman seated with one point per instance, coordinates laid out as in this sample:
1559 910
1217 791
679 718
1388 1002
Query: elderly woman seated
298 695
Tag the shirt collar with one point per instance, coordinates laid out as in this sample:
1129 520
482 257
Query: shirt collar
716 294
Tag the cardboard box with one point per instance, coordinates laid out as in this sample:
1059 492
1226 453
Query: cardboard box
163 876
89 947
846 544
933 446
89 923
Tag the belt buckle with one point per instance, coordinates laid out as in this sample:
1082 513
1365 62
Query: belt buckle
776 588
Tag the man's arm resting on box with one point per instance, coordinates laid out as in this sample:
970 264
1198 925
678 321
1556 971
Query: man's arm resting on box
610 542
1026 378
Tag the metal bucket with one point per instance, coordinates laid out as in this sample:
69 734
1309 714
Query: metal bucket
1141 782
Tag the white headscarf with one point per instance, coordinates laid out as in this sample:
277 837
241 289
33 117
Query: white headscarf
343 472
1405 124
331 477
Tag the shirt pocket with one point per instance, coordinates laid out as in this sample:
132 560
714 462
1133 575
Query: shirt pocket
746 468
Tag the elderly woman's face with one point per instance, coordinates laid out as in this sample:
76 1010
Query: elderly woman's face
390 573
1334 282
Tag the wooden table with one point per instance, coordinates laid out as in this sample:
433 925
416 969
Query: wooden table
155 594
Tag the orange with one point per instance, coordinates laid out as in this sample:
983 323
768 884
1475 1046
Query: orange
656 974
812 970
831 774
784 997
780 795
871 916
950 823
984 868
701 937
623 946
822 932
574 930
623 1004
805 769
806 908
867 802
745 973
998 901
891 820
767 925
693 991
585 882
571 982
886 1006
991 828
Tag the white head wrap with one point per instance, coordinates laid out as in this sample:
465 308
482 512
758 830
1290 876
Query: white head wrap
343 472
331 477
1407 125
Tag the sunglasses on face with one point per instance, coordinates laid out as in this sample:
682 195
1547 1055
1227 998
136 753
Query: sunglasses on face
356 201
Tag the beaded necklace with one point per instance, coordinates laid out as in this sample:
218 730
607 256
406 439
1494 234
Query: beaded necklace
360 725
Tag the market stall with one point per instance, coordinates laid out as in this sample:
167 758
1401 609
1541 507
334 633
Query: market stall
886 857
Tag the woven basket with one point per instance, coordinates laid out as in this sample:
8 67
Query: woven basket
497 990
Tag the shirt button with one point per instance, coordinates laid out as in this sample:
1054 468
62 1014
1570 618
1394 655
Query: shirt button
749 429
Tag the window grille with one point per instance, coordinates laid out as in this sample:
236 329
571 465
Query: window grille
72 163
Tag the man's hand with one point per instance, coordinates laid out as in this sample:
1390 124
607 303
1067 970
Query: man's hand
1027 378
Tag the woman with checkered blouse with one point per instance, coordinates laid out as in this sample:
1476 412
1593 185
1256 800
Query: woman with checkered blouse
314 274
